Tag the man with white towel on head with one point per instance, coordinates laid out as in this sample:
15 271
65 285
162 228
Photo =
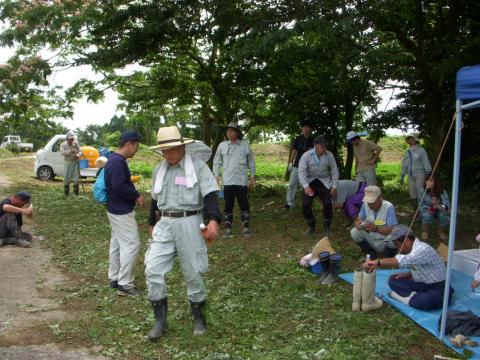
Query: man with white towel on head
185 192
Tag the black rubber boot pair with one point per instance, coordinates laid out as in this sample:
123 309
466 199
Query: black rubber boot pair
331 265
160 308
367 249
75 189
66 189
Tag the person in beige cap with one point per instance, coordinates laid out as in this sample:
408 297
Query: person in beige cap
417 166
235 157
70 149
374 223
366 154
184 193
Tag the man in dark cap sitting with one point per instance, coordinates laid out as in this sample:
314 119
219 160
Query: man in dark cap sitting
11 211
318 175
422 287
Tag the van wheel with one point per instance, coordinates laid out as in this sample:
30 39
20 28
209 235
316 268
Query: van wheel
45 173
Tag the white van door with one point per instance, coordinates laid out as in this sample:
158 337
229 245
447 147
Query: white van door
56 158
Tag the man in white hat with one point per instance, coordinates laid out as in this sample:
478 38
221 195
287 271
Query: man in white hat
72 153
366 154
235 157
374 224
185 194
417 166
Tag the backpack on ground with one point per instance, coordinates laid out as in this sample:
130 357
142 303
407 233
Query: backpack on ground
100 188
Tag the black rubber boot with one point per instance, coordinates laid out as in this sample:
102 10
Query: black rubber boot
323 259
75 189
200 325
366 248
333 270
66 189
160 309
327 225
311 226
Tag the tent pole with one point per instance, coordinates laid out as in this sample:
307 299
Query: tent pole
453 215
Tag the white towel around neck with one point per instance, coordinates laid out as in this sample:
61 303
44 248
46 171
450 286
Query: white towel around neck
190 175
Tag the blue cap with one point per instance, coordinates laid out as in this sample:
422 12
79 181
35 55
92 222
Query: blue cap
24 196
400 231
129 135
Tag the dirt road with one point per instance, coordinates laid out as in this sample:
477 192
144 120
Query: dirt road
26 305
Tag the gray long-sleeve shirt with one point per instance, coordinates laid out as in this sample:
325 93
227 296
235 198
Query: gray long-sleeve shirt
235 159
325 170
415 161
70 151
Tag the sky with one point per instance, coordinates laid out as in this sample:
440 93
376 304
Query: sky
85 113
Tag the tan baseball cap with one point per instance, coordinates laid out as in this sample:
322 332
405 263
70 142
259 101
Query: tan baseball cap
372 193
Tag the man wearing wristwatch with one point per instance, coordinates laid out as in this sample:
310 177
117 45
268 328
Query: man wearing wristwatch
422 287
374 223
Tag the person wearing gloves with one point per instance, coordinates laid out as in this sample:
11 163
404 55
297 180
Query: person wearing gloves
318 175
302 144
235 157
72 153
11 211
366 154
349 197
417 166
122 198
184 197
422 287
374 223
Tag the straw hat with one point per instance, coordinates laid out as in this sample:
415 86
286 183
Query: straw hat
321 246
170 137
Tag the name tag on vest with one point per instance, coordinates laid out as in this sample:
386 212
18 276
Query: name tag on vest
181 180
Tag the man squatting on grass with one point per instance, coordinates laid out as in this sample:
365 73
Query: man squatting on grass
11 211
423 286
183 188
122 197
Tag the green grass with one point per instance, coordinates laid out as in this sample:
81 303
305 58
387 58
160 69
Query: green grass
261 305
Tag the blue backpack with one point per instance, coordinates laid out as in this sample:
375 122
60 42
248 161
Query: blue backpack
100 188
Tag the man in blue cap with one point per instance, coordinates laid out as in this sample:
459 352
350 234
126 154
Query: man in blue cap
122 198
11 211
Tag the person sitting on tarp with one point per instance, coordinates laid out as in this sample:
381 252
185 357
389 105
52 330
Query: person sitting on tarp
371 231
423 286
349 197
11 211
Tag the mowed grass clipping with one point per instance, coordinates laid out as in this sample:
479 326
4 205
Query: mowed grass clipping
262 304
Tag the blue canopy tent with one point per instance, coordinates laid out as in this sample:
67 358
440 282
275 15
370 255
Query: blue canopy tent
467 90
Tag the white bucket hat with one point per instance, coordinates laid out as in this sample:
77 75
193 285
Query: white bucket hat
170 137
351 135
414 136
100 162
70 135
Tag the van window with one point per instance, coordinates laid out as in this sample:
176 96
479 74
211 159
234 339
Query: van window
5 139
56 146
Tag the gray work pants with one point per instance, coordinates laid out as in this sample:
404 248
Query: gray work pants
71 169
181 237
124 246
379 245
368 177
292 187
416 185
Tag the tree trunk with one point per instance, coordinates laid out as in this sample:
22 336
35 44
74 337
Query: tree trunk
349 112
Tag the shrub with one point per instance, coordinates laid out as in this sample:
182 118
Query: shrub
13 148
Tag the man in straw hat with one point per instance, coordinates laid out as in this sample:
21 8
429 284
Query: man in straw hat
72 153
366 154
422 287
235 157
374 223
122 198
185 192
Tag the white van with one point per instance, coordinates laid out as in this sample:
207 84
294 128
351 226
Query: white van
49 162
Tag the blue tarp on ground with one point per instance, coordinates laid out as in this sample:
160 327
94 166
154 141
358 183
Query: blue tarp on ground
468 83
463 299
